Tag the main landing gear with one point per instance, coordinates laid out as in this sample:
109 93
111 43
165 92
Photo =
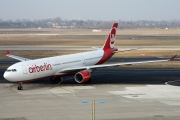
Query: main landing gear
20 87
56 80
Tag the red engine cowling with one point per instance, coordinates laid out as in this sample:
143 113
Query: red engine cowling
82 77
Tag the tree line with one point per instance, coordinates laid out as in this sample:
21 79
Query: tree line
58 23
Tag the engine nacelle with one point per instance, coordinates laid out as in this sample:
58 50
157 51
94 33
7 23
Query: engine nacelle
82 77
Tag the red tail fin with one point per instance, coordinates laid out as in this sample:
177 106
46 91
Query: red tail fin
111 37
115 25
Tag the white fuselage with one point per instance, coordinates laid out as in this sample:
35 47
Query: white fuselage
47 67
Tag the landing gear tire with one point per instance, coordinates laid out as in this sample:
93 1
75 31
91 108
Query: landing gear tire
20 87
55 80
52 80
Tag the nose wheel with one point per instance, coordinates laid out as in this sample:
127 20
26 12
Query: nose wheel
20 87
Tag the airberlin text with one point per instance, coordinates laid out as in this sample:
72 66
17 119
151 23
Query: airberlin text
35 68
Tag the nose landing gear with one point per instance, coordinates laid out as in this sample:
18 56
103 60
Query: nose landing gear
20 87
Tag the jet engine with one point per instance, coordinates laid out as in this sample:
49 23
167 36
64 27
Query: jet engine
82 77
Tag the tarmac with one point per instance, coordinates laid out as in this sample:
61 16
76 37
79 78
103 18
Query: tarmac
119 94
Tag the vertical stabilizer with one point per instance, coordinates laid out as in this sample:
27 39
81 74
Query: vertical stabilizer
109 44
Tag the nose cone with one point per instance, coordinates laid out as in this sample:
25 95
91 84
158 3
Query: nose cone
6 76
9 76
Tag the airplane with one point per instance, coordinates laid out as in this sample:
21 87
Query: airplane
81 65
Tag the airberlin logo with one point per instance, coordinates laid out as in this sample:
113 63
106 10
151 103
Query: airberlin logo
35 68
112 40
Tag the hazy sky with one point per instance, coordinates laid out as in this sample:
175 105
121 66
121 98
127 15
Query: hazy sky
91 9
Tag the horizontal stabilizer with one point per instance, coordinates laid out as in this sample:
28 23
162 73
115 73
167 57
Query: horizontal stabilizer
126 50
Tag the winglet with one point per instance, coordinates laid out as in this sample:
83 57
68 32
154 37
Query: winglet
8 52
172 57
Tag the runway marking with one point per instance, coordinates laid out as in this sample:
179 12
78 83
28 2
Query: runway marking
75 89
163 93
65 88
59 85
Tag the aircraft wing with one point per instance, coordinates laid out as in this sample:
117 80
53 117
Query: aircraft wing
111 65
16 57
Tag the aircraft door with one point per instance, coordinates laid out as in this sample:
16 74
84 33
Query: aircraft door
24 69
83 60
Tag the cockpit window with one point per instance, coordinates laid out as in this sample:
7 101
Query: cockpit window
14 70
11 70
